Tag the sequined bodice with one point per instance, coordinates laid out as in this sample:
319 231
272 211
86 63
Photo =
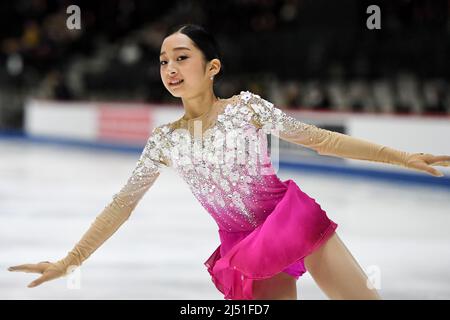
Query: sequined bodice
226 164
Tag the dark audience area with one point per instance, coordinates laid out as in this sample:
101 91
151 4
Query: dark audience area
316 55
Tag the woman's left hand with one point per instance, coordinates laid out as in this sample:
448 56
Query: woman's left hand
425 161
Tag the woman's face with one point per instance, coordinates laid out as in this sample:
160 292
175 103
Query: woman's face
181 60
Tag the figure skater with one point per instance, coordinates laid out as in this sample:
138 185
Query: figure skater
270 231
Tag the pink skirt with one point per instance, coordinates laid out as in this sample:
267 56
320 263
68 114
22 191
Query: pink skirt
293 230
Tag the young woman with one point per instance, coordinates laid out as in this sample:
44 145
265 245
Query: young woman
270 231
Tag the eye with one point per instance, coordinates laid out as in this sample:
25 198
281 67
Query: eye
162 62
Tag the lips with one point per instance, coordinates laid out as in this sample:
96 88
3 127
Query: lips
175 82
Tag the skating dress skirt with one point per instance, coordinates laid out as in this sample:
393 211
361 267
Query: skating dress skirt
293 229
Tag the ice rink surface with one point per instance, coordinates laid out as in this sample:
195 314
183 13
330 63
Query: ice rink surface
49 196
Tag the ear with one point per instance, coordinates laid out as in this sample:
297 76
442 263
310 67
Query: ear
214 67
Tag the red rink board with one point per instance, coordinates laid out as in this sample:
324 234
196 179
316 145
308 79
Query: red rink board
124 124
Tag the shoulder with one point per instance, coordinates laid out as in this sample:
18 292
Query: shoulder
156 144
242 96
247 95
252 98
161 131
158 134
256 103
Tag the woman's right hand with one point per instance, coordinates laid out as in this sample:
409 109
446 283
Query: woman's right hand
48 270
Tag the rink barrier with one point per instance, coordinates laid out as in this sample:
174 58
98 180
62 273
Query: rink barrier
339 167
360 173
125 126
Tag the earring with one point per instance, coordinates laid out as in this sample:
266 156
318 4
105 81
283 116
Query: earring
212 77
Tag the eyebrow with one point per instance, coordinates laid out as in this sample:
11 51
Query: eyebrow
177 48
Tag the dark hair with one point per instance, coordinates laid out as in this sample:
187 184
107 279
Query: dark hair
203 40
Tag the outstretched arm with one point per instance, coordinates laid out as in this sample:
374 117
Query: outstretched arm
109 220
325 142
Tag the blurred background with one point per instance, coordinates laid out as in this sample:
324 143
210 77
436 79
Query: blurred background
77 105
301 54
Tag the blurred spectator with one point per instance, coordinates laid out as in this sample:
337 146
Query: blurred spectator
291 51
55 87
436 95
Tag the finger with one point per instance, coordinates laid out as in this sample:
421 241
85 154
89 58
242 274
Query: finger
38 281
440 158
29 267
441 163
434 172
48 275
19 267
429 169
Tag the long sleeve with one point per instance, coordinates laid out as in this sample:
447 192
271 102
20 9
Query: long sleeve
144 175
273 120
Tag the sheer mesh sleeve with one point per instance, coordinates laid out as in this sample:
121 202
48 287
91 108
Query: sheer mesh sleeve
144 175
325 142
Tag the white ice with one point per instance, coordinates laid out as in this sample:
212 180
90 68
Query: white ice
49 196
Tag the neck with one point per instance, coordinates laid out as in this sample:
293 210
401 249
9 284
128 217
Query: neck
198 105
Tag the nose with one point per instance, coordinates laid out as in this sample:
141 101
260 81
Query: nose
171 70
